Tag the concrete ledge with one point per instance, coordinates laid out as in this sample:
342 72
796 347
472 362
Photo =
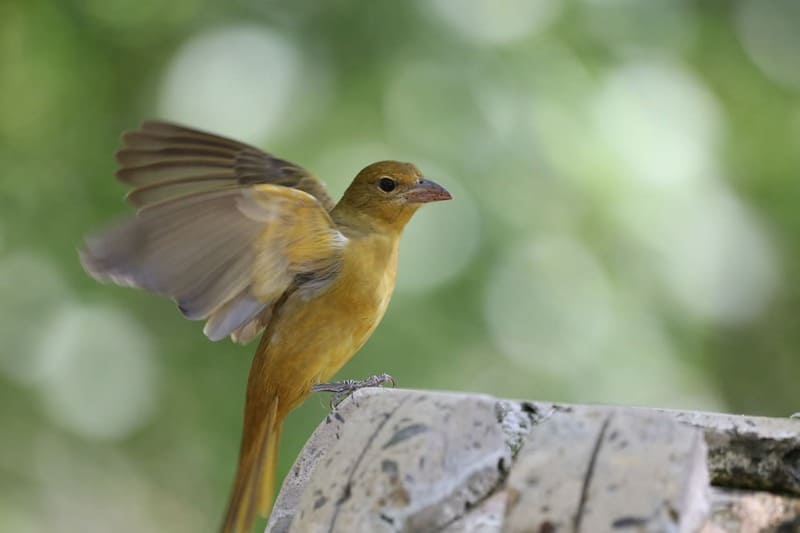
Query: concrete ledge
405 460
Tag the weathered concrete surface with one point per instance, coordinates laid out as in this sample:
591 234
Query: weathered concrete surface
399 461
402 460
609 469
753 452
750 452
742 511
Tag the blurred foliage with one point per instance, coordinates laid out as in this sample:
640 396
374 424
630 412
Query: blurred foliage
624 226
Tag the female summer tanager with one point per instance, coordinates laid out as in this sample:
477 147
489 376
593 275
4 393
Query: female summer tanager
250 243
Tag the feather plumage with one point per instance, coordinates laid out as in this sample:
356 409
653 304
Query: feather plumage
162 160
223 255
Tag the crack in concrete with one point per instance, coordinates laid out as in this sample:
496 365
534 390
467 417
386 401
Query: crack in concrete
516 419
587 478
348 485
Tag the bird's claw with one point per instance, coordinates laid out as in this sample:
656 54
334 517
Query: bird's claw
340 390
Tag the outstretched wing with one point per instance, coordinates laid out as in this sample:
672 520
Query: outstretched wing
224 254
163 160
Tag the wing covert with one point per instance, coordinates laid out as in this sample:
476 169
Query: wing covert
223 255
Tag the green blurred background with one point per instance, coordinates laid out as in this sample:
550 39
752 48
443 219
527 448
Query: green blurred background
625 224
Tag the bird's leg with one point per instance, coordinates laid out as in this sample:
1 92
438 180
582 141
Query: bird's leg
342 389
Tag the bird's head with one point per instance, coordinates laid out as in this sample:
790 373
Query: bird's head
389 192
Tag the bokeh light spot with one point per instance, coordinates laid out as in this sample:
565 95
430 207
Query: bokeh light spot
769 34
495 22
642 366
96 488
549 305
660 120
32 290
98 376
418 114
663 125
237 81
714 258
552 310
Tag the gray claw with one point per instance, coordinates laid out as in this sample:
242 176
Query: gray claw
342 389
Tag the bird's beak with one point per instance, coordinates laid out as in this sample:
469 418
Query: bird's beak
425 191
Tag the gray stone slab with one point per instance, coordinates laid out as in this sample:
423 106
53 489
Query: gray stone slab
607 469
404 460
398 461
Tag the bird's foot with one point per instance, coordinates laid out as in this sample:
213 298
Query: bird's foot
342 389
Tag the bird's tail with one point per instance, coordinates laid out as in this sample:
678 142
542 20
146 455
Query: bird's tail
255 476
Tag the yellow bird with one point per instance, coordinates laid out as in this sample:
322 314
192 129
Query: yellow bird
251 243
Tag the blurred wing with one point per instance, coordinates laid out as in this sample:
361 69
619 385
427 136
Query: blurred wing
223 255
163 161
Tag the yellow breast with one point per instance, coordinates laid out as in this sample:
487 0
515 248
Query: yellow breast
313 337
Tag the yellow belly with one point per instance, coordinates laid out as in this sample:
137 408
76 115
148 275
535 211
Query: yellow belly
312 338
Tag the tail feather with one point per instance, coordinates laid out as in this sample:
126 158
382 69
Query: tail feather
270 465
253 487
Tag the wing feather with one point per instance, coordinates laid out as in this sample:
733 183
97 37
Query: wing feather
163 161
224 255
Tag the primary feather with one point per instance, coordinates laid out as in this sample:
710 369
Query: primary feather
163 160
223 255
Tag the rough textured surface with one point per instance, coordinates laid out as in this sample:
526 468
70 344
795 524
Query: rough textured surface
743 451
750 452
548 478
607 469
487 517
740 511
402 460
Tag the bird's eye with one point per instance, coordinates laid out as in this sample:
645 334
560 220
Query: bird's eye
387 184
